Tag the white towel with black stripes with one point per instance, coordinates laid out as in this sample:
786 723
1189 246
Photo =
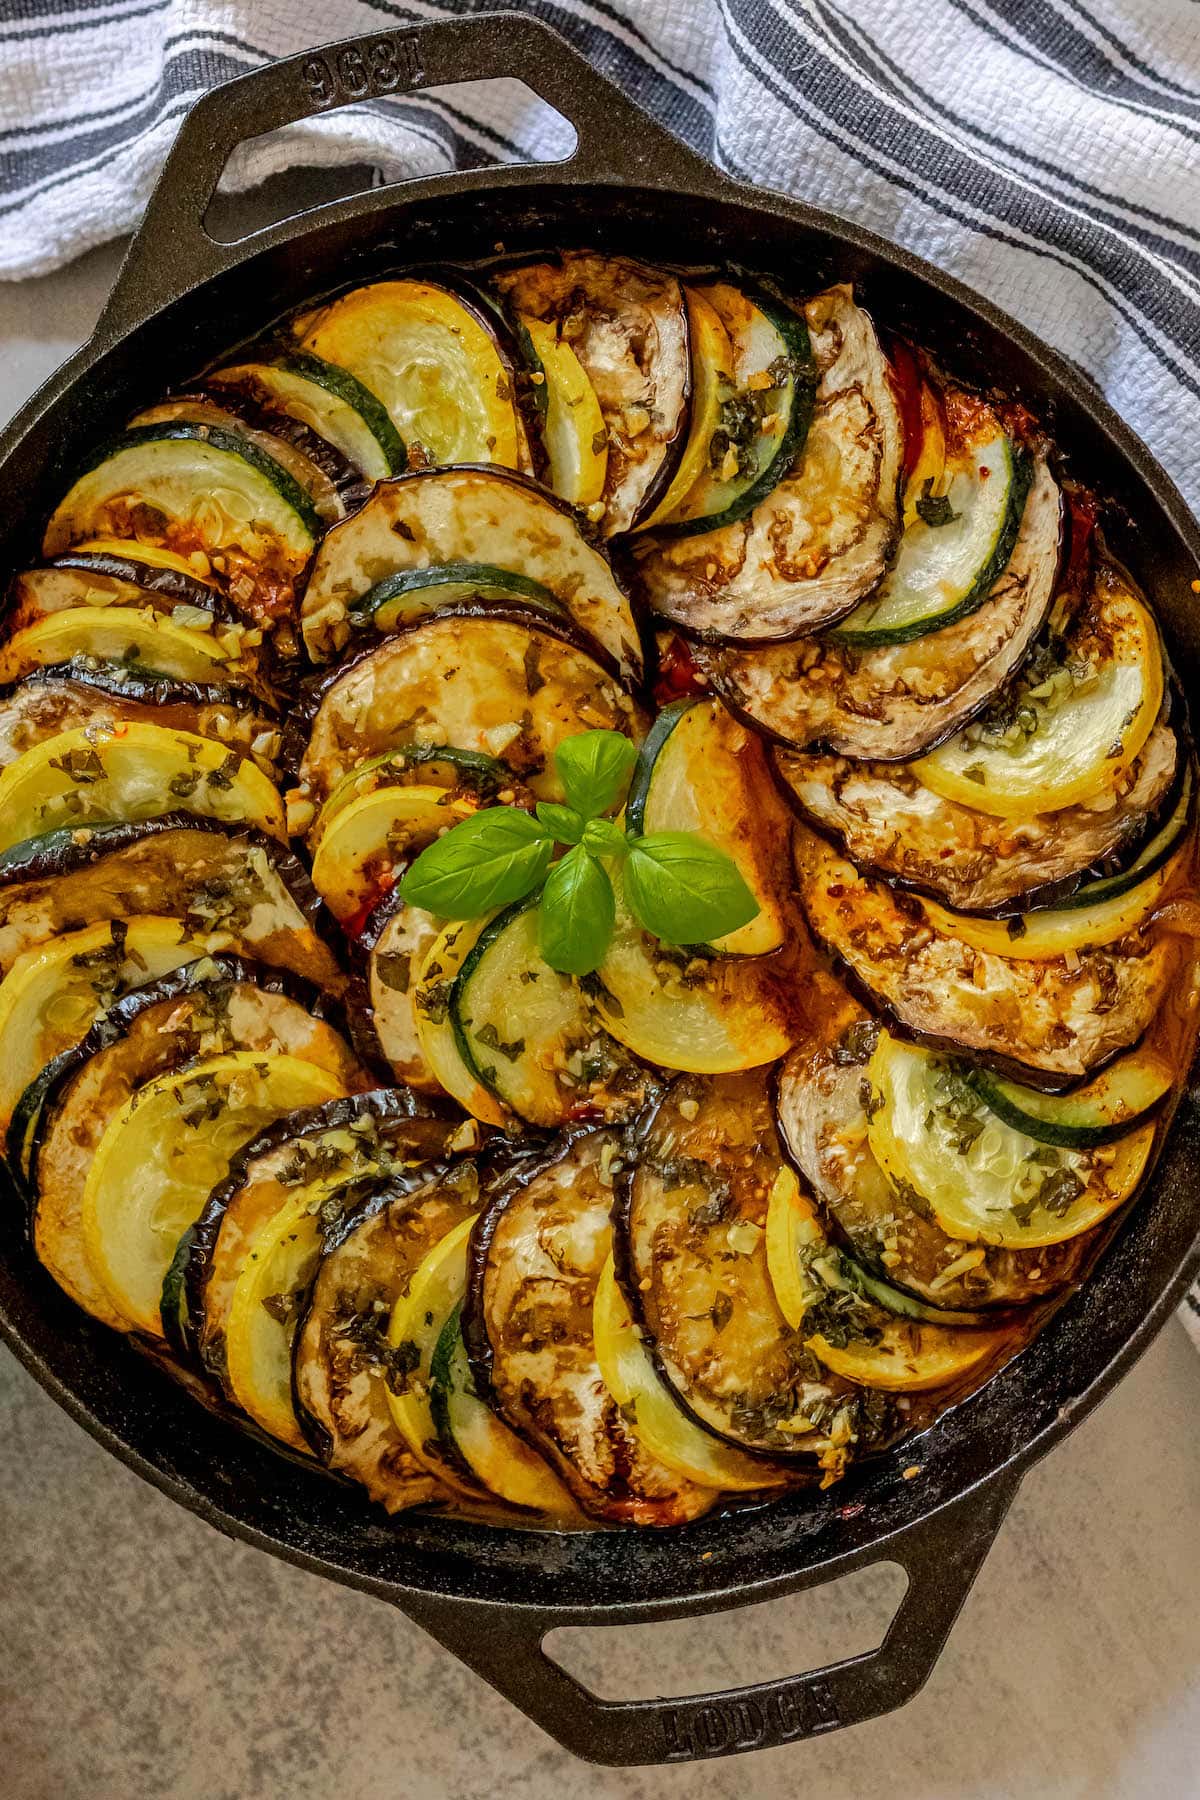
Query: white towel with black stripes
1045 151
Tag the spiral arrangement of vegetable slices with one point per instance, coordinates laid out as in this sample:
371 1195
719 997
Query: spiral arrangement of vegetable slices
394 1186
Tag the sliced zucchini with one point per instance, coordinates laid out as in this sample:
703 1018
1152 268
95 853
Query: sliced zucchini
54 993
1127 1094
507 689
328 400
216 1005
802 554
684 1011
890 824
824 1296
342 1362
1082 922
358 849
1072 725
1158 849
445 518
118 577
413 594
197 488
435 1022
495 1455
628 326
667 1434
132 772
331 1155
201 409
434 362
955 551
712 385
161 1154
893 1235
67 696
892 703
136 638
691 1258
210 876
699 770
985 1181
530 1035
758 385
539 1250
1048 1023
573 428
397 939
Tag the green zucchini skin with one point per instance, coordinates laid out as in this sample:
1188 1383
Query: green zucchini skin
439 1381
480 582
1001 1098
652 744
905 1305
285 485
797 346
988 574
1155 851
340 382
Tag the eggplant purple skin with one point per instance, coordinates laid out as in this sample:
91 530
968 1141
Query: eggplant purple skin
170 584
143 690
629 1283
261 413
384 1105
1051 893
222 968
1008 1066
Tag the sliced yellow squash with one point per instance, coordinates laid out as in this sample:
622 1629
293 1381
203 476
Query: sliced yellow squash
574 432
1073 734
364 841
118 634
985 1181
416 1325
130 772
162 1154
1055 931
277 1269
712 382
435 1022
432 361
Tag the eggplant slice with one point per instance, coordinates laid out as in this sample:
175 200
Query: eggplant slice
397 939
538 1252
330 1155
208 875
68 696
892 703
826 533
515 687
342 1362
1050 1023
691 1256
119 577
483 517
205 1008
885 820
628 326
820 1099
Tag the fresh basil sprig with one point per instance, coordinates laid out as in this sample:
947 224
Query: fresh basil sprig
677 886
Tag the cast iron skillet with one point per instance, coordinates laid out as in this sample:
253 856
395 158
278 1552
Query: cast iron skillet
491 1595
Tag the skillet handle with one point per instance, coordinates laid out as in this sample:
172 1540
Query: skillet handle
941 1556
172 251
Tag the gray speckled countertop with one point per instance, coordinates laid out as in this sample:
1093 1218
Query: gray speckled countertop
142 1655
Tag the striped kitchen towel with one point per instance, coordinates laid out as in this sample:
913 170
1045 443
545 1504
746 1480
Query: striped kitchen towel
1045 151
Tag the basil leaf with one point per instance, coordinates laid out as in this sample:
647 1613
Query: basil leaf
491 859
603 838
562 822
576 917
684 890
594 767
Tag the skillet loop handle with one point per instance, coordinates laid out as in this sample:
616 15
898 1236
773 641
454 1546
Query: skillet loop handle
941 1557
172 251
